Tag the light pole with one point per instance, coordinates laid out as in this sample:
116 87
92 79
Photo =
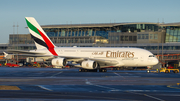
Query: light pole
13 36
17 42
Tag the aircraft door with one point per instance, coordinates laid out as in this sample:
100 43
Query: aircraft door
139 61
61 51
77 52
142 59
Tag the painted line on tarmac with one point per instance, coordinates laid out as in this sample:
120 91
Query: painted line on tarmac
4 87
169 95
114 89
147 96
119 75
56 74
154 97
170 86
44 88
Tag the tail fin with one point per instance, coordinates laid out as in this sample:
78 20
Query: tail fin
40 38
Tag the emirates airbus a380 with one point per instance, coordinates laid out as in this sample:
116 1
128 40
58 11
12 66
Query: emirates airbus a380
88 58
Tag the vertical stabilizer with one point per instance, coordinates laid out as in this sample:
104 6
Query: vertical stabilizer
38 34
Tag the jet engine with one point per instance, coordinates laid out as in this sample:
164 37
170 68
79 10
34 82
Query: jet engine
89 64
59 62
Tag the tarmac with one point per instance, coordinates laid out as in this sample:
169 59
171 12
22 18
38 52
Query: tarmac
49 84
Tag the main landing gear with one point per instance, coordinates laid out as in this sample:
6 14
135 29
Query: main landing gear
102 70
93 70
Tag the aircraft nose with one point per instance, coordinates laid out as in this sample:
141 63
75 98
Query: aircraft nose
155 61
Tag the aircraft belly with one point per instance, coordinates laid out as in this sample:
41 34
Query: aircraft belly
129 62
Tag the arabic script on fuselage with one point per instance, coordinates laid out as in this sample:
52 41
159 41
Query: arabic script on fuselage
97 53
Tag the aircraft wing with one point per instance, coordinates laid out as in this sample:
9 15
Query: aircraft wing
100 61
23 52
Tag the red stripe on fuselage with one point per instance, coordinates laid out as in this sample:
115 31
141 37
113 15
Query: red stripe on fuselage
49 43
53 51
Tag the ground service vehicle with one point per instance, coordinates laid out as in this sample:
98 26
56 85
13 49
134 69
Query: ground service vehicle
166 70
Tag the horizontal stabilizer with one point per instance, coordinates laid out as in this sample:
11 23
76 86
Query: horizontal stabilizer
5 54
23 52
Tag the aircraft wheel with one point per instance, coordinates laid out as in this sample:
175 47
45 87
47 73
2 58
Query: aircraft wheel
100 70
175 71
103 70
166 71
82 70
95 70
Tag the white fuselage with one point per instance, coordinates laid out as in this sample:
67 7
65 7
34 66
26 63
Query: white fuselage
124 56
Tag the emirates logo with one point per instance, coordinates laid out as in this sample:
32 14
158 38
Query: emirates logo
57 62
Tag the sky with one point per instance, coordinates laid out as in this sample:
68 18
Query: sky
50 12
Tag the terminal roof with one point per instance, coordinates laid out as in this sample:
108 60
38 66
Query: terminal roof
92 25
105 25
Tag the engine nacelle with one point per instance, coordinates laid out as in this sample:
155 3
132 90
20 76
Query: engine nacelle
89 64
59 62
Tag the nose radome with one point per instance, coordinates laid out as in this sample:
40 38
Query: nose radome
155 61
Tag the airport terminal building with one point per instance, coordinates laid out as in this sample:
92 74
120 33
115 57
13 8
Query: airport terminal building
151 36
159 38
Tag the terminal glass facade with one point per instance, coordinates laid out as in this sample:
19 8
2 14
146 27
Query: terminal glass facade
76 32
99 31
143 36
173 34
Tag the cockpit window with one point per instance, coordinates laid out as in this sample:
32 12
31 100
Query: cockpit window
151 56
